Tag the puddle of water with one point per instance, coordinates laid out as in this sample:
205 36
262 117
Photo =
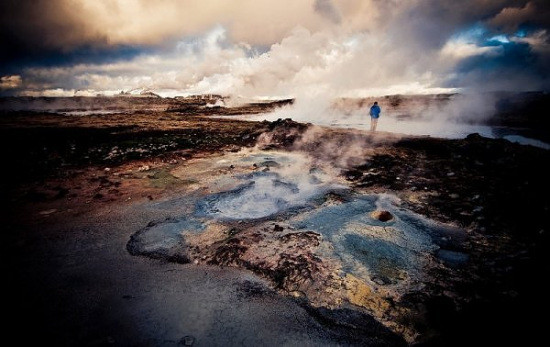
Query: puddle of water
330 220
260 197
418 127
279 182
522 140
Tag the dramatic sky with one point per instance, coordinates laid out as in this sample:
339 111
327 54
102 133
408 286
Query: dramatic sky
267 48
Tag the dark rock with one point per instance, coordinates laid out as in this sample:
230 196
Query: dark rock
294 270
61 192
308 237
187 340
228 253
233 231
474 136
380 280
353 175
270 163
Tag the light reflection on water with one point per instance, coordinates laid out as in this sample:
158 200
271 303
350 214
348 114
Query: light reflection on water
433 128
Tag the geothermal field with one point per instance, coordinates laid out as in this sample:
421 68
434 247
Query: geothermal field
206 220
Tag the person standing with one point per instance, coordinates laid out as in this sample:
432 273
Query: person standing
374 115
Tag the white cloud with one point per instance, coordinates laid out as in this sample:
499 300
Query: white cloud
457 50
308 48
10 82
49 92
539 41
70 23
304 62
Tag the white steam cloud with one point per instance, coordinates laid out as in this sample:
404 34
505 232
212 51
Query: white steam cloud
295 49
315 51
303 65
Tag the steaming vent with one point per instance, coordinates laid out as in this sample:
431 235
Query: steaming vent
383 216
262 194
371 236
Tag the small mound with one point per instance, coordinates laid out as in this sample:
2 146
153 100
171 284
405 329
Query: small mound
382 216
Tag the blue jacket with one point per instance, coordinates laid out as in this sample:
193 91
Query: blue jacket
375 111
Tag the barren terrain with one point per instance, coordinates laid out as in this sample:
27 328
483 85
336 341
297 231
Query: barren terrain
162 227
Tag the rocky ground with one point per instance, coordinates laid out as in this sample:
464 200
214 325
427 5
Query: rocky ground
66 179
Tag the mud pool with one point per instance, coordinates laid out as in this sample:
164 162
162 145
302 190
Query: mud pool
296 222
384 253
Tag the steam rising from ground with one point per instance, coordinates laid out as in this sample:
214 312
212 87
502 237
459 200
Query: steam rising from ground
307 50
313 51
447 116
279 182
243 203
